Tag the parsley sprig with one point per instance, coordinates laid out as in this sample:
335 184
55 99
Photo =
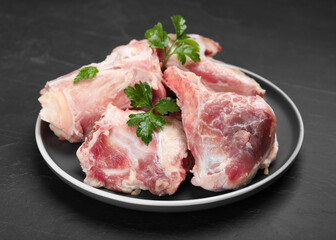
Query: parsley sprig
141 96
183 45
85 73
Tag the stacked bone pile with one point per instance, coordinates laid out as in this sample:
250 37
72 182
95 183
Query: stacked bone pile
226 123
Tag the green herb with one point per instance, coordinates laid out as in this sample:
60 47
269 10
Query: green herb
141 96
184 45
85 73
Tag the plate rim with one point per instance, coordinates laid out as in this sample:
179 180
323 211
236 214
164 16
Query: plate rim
108 196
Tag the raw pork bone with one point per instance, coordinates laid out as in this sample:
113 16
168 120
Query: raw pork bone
230 136
115 158
215 75
71 109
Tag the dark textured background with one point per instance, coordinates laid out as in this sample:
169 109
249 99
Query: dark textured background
292 43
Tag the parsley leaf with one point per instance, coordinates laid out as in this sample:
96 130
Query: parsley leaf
184 50
158 121
179 25
157 37
165 105
85 73
188 41
135 119
184 46
141 96
145 125
145 130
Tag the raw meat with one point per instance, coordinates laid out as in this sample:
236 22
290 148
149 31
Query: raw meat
115 158
71 109
215 75
208 47
230 136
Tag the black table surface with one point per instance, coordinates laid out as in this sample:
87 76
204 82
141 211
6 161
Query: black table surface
292 43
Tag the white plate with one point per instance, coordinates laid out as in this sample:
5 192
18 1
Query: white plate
61 158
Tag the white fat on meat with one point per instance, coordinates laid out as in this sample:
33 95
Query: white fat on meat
215 75
231 136
71 109
113 157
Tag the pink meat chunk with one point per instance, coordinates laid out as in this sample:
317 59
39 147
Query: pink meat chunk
216 75
115 158
72 109
231 136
